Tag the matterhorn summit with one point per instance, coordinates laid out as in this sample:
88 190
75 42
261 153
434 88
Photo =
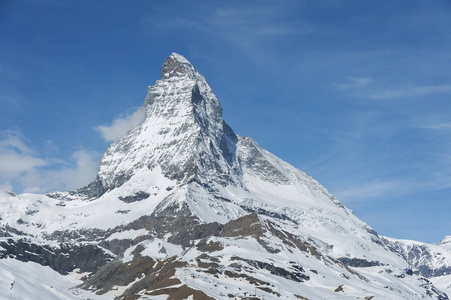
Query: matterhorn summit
183 208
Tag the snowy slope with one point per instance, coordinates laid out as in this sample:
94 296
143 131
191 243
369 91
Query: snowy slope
184 206
28 280
430 260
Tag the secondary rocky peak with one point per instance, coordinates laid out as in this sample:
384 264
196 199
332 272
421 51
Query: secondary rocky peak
177 66
446 240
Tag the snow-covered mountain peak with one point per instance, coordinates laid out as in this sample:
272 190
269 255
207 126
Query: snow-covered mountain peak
183 207
183 134
177 66
179 76
446 240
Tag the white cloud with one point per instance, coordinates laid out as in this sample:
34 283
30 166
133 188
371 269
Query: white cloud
13 165
382 189
251 30
410 92
121 125
6 186
19 163
16 157
65 178
366 191
12 140
256 21
353 82
438 126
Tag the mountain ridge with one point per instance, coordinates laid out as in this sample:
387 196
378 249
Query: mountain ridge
184 206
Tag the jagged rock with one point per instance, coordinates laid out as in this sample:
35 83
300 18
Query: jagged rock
358 263
63 259
135 197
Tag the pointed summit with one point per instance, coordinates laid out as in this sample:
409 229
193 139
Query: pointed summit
183 136
177 66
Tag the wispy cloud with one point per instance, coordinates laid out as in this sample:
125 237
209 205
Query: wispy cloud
353 82
6 186
20 163
256 22
67 177
15 156
121 125
380 189
415 91
251 30
446 126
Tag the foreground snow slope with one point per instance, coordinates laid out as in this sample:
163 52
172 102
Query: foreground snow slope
28 280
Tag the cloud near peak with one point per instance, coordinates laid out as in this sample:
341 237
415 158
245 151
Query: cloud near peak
121 125
24 170
414 91
68 177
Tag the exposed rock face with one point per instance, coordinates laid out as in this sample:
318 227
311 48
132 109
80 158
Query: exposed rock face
63 259
358 263
172 67
429 260
183 208
135 197
184 123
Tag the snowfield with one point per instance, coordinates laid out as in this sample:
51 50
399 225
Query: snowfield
28 280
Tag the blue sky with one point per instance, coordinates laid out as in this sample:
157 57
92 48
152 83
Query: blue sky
355 93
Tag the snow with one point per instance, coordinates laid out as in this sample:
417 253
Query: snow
128 234
436 256
154 248
322 284
52 214
24 281
117 291
446 240
443 283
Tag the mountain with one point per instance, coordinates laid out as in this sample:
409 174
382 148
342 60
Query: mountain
183 208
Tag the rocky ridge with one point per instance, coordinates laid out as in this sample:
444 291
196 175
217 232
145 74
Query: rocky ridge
182 206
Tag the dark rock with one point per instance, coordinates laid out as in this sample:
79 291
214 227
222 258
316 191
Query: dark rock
135 197
172 67
358 262
250 279
93 190
268 290
82 235
268 213
117 246
210 246
296 274
339 289
64 259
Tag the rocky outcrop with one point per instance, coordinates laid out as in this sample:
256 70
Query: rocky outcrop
63 259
